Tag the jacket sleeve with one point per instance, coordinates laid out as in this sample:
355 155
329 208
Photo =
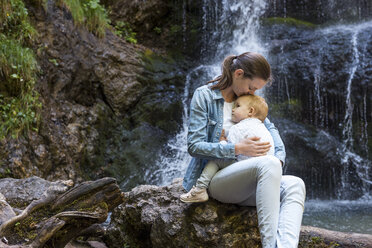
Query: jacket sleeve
278 143
197 137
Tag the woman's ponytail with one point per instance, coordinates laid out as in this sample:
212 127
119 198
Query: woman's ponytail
224 80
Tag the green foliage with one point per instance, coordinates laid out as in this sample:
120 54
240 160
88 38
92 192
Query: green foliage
123 29
54 62
89 13
14 22
19 114
18 66
157 30
19 102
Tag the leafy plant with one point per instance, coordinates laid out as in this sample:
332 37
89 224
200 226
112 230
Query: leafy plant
123 29
14 22
157 30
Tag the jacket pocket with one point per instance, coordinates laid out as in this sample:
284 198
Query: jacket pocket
211 122
211 128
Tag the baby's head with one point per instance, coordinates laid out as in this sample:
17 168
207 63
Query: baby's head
249 106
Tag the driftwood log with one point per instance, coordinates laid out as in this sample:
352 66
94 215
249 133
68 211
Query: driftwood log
60 215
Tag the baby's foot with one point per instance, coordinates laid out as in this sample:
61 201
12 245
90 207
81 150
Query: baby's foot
195 195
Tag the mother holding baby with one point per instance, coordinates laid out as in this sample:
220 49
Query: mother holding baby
257 181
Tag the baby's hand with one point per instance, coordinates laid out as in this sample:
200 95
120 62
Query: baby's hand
223 137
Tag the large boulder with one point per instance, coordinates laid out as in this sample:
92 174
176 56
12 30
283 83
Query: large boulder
103 99
153 216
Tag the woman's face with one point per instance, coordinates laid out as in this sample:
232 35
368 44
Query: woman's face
244 86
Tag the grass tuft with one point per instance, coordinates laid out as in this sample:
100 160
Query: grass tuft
19 102
89 13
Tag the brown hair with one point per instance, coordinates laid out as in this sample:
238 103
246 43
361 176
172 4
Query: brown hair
253 65
258 103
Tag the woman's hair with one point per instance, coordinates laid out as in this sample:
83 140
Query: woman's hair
253 65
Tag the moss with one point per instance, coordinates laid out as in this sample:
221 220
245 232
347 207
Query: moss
155 62
317 242
24 228
287 21
291 108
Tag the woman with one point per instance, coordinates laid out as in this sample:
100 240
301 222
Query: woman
254 182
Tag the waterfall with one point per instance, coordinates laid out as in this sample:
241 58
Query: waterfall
175 158
245 17
349 159
233 27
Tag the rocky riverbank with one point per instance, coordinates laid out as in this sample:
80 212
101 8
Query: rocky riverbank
153 216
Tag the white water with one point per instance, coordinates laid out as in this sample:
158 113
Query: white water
337 215
362 166
174 160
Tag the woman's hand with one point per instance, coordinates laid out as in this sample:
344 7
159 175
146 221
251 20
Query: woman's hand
252 147
223 136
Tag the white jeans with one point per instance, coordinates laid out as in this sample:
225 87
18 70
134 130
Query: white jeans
279 199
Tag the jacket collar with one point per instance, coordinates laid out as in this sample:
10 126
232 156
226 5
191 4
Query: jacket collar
216 93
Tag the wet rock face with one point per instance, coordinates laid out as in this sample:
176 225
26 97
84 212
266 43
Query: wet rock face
322 78
320 11
321 83
155 217
317 157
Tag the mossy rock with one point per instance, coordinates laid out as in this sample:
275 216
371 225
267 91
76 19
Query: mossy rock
288 21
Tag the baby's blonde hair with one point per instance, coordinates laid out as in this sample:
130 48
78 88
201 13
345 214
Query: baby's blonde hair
258 103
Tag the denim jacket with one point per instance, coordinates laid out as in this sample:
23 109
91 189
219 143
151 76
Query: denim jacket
205 126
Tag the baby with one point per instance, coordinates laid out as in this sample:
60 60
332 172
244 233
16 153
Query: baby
249 113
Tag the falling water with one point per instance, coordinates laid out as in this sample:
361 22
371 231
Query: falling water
237 26
317 102
184 24
175 158
364 138
348 120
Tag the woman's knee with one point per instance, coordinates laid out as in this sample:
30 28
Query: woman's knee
271 166
294 185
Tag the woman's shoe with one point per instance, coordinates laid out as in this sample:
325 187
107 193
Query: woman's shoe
195 195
